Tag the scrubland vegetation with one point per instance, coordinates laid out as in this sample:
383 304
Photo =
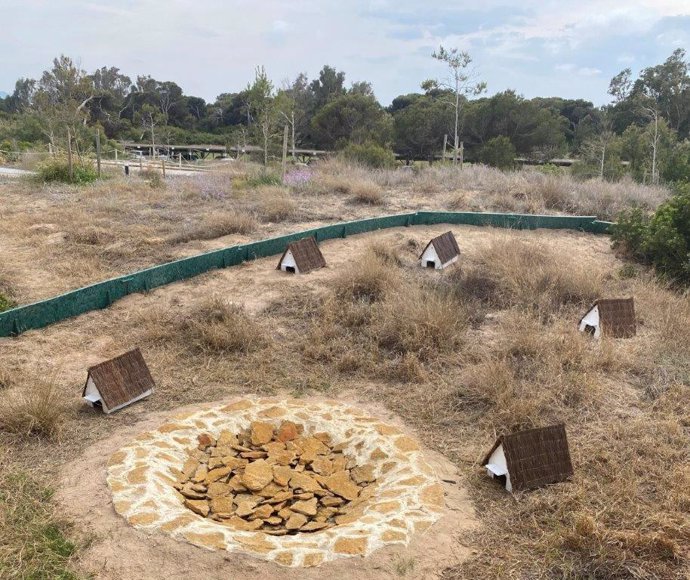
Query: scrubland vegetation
462 355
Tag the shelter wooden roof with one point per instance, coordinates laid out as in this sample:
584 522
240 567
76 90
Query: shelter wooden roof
535 457
121 379
616 317
306 253
446 247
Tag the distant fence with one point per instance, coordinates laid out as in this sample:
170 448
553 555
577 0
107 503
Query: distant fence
103 294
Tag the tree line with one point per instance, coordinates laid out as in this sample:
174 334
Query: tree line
643 131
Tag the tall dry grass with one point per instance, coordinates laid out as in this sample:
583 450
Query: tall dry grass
33 407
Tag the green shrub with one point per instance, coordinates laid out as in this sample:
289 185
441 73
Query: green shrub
498 152
5 303
264 178
662 239
369 154
57 170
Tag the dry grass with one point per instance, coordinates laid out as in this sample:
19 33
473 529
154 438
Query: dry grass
32 536
33 408
368 192
275 205
462 355
216 226
529 275
217 326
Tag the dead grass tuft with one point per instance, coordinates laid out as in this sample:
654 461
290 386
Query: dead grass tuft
529 275
275 204
369 280
217 326
367 192
33 408
215 226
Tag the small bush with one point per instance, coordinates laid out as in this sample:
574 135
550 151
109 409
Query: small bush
57 170
216 226
369 154
275 205
6 302
498 152
369 280
33 409
662 240
367 192
263 178
217 326
153 178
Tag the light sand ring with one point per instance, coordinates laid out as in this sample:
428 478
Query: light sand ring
408 497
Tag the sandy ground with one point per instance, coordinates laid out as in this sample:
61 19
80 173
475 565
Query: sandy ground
116 550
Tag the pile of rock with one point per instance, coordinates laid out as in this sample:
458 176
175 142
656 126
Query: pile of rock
279 481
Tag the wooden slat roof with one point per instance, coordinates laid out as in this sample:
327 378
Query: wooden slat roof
616 317
307 255
446 247
122 379
536 457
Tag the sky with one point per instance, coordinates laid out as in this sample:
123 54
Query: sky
543 48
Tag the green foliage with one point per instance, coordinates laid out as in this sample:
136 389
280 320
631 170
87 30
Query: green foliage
6 302
369 154
663 239
420 124
498 152
263 178
678 167
57 170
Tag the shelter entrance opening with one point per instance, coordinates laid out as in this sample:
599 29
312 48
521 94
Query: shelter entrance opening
290 269
430 264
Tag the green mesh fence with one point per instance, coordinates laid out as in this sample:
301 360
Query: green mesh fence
103 294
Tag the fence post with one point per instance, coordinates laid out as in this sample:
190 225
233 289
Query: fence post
445 144
69 155
285 148
98 151
163 165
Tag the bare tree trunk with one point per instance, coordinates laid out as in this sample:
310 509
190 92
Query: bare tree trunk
457 114
294 156
655 177
603 158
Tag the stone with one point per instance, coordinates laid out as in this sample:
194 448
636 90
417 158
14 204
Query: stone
234 463
282 474
308 508
257 475
190 467
341 484
214 540
377 454
144 519
254 454
222 505
245 508
406 444
285 513
363 474
296 521
287 431
433 495
138 475
322 466
304 482
332 501
273 448
339 464
273 520
190 493
312 559
393 536
205 441
238 406
271 490
200 474
198 506
256 543
242 525
261 432
273 412
279 497
387 507
216 474
314 526
350 546
214 462
285 558
226 439
284 457
236 484
263 511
